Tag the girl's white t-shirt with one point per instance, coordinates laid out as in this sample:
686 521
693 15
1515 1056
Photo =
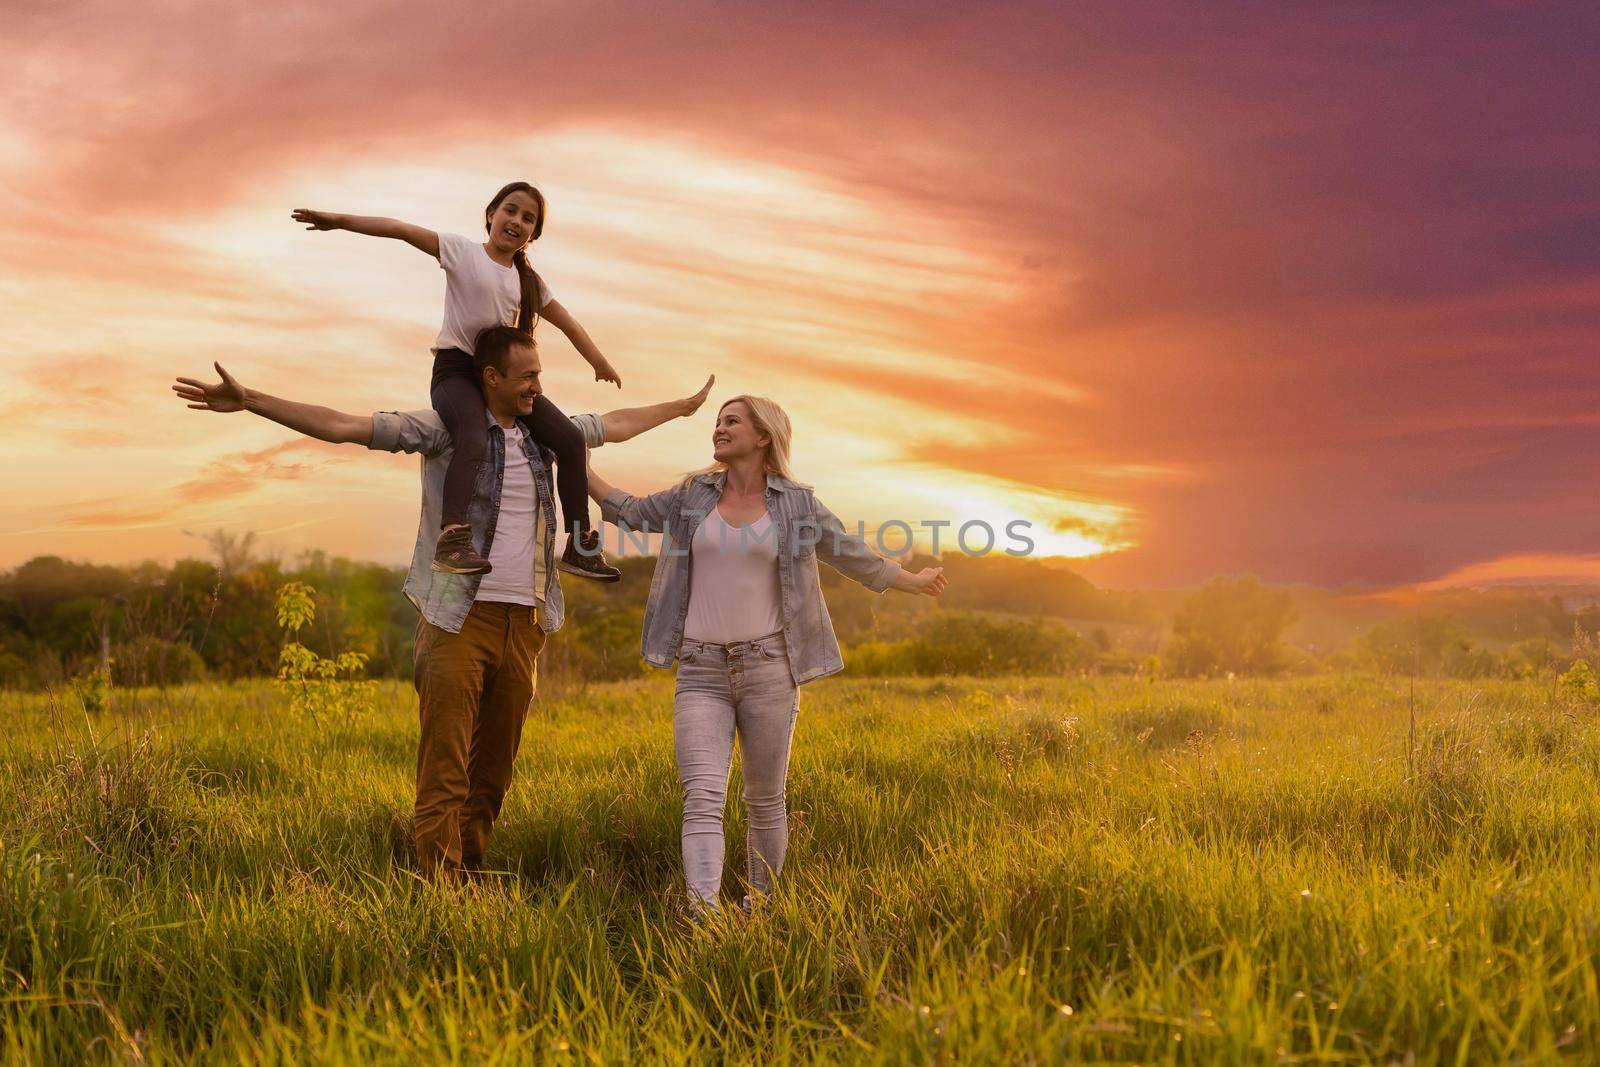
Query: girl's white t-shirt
478 292
733 581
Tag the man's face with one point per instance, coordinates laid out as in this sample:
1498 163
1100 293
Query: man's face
512 393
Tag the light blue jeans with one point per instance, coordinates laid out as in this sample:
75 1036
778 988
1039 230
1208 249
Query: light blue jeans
744 689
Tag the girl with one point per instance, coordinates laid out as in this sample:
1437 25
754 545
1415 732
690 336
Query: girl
737 602
491 284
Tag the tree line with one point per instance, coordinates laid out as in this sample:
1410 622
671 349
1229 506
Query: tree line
163 624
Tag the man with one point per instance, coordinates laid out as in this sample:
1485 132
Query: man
479 635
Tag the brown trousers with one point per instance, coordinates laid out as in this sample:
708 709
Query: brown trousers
474 688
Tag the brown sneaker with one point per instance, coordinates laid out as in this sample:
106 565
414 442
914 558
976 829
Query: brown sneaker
591 562
455 554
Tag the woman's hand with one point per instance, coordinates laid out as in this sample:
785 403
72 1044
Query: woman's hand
316 220
605 372
226 395
929 581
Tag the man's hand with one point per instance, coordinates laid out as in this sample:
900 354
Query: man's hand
689 405
316 220
226 395
325 424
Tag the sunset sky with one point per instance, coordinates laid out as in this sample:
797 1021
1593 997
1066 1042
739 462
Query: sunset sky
1305 291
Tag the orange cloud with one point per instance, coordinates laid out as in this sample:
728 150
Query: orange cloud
228 477
1552 568
245 471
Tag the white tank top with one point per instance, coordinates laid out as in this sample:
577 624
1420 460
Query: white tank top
733 581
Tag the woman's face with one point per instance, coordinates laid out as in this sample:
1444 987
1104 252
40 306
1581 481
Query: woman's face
735 435
512 221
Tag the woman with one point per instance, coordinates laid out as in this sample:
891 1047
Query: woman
737 602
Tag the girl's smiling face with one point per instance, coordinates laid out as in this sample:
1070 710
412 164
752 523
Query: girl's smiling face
512 222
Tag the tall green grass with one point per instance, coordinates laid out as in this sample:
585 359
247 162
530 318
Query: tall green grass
1014 870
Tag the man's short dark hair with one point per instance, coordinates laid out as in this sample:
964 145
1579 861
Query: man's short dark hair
492 345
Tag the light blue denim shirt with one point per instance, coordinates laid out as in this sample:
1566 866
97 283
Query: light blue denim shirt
804 529
444 599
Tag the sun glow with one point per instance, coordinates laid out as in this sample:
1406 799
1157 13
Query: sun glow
1056 524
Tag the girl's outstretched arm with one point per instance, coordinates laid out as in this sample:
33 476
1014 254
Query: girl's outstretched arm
373 226
562 319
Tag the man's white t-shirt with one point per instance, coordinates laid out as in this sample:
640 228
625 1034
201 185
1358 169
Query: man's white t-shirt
517 554
478 292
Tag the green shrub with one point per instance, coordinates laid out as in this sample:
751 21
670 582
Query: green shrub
1530 658
13 669
152 661
1413 645
1231 627
969 642
317 687
598 643
1470 661
1579 683
92 690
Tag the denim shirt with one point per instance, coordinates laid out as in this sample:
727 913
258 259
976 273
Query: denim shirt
444 599
804 529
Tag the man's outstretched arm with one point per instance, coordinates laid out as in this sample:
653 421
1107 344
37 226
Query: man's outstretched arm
624 423
325 424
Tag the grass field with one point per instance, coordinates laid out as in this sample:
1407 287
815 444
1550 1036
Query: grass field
1018 870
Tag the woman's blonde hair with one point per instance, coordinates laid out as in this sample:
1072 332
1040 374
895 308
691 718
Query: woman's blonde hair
769 419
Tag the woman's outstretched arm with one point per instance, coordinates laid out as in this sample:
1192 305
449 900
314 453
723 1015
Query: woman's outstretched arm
929 581
417 237
848 554
599 488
